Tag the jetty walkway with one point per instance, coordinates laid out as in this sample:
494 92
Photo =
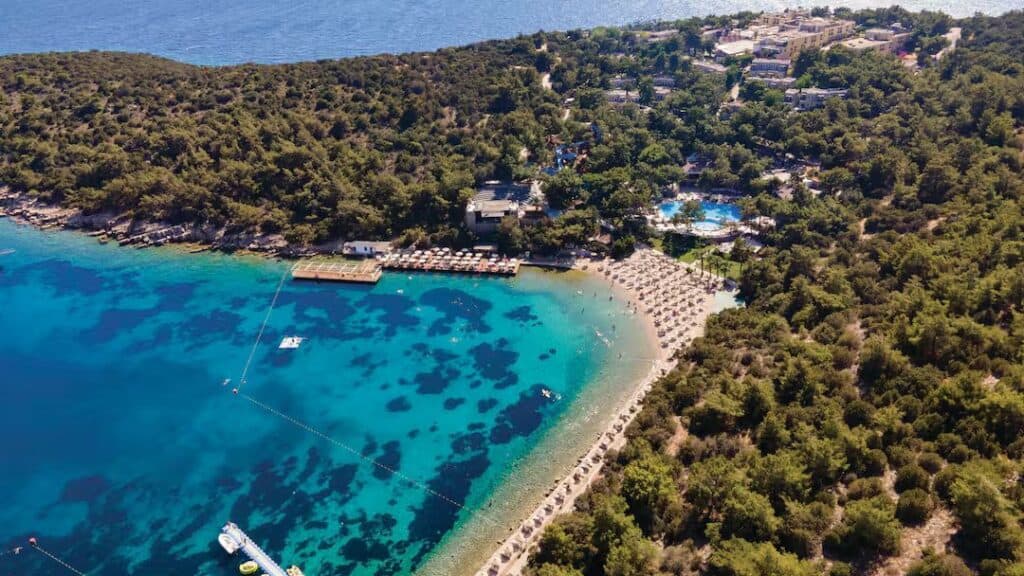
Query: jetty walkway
369 270
233 537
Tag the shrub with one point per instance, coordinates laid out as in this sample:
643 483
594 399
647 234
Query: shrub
862 488
869 527
914 507
936 565
931 462
741 558
875 463
858 413
989 527
911 476
748 515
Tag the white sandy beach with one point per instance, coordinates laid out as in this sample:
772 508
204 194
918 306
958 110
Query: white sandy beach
674 302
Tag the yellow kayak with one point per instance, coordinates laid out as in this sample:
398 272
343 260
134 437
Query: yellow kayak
249 567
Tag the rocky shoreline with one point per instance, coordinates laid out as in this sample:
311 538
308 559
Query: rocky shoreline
108 226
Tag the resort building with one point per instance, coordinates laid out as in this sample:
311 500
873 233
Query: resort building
660 35
767 67
811 35
496 201
862 44
695 165
774 82
782 35
892 40
622 82
664 81
365 248
661 92
780 18
620 96
727 50
708 66
811 98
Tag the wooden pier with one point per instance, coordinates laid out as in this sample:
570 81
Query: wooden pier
359 271
369 271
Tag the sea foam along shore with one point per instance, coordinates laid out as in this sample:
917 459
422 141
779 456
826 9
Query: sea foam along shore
664 291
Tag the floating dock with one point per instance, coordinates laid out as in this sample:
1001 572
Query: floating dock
359 271
233 539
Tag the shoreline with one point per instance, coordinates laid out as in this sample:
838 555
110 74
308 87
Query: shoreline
628 281
512 553
127 231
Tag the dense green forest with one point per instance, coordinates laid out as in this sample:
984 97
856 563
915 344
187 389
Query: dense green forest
867 400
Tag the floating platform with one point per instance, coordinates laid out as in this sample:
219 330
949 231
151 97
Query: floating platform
358 271
290 342
232 539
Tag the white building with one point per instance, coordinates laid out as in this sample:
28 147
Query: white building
811 98
769 66
365 248
709 67
496 201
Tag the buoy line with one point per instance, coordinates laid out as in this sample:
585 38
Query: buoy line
263 327
65 565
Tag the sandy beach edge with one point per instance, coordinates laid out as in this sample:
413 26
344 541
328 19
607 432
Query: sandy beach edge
511 555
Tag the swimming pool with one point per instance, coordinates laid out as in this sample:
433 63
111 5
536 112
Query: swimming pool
716 214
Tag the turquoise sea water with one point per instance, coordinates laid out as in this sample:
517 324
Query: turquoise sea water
233 31
716 214
122 451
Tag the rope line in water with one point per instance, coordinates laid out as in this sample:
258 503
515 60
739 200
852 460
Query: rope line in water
263 326
364 458
62 563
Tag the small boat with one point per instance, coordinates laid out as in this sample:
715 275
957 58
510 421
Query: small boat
226 382
545 392
249 567
290 342
294 571
6 251
227 543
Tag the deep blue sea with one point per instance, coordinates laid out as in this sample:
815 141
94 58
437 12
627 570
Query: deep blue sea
122 451
234 31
